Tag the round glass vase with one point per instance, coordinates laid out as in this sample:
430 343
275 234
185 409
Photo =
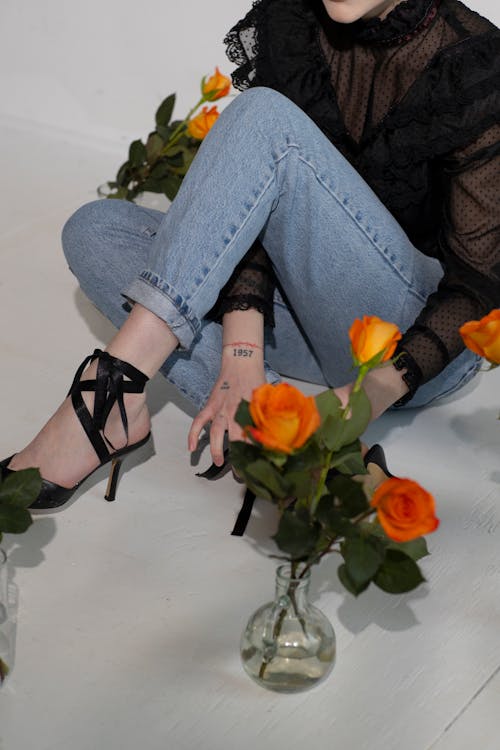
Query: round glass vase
288 644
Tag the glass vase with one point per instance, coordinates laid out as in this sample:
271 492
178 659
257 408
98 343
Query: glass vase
288 644
6 655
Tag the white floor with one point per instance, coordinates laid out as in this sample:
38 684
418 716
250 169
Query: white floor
129 615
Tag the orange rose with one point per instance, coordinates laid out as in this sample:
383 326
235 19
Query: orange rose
483 336
199 126
405 510
371 337
283 417
216 86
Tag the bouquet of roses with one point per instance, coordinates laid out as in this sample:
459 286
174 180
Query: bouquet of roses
304 454
160 164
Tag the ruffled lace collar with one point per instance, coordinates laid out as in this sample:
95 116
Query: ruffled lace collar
406 20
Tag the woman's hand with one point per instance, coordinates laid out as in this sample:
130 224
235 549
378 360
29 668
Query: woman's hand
239 375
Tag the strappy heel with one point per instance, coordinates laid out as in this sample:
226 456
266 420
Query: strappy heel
109 387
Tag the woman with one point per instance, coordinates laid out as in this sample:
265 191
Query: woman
358 175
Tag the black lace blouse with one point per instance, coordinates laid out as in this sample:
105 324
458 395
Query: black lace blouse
413 102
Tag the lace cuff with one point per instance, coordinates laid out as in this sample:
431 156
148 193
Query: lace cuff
250 287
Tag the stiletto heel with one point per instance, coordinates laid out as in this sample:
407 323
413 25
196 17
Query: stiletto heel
109 387
110 494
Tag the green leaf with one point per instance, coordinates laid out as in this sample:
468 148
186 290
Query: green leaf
266 476
350 429
348 459
305 459
332 520
363 558
329 432
164 132
137 153
160 170
14 520
296 536
242 416
154 146
151 186
124 174
176 161
398 573
299 484
170 186
258 489
328 403
348 583
165 110
351 498
416 548
241 453
21 488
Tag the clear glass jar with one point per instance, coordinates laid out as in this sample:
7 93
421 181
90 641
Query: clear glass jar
288 645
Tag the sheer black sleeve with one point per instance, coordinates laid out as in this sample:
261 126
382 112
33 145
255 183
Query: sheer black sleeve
252 282
470 252
250 286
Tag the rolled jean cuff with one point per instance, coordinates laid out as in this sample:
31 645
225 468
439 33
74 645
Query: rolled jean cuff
160 298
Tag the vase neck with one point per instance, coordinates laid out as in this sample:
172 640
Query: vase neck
286 585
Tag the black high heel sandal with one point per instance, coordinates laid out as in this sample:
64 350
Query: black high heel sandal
377 465
109 387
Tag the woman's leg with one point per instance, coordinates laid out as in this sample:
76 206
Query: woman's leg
106 244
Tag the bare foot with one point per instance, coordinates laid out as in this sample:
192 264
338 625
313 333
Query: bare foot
62 451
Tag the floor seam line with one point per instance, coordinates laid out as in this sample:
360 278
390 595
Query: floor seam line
465 707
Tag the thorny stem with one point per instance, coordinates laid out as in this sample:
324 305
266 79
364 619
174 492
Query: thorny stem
321 484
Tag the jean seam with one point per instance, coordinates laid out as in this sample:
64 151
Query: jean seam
250 211
381 249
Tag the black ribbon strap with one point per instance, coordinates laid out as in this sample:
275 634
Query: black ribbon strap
215 472
244 514
109 387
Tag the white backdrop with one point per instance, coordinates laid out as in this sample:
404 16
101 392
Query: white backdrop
98 69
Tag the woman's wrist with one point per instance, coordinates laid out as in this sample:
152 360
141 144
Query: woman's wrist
384 386
243 336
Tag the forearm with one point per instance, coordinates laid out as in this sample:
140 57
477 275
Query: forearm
383 386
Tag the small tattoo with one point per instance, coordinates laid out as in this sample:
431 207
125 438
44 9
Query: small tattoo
242 352
225 386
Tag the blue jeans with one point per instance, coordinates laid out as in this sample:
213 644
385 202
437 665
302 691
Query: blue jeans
265 170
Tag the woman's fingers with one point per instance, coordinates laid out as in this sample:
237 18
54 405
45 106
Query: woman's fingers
217 432
199 422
